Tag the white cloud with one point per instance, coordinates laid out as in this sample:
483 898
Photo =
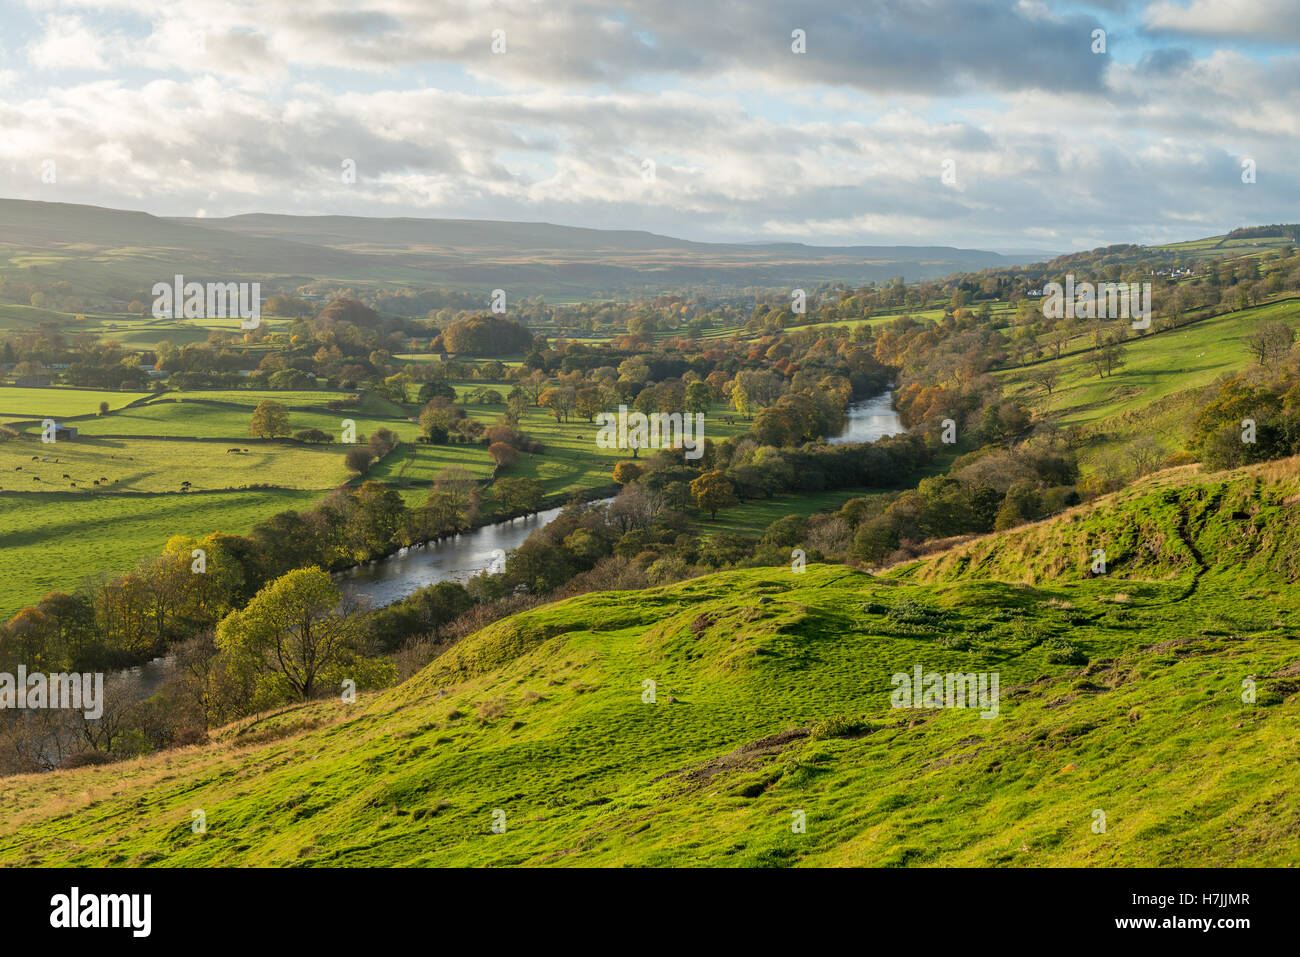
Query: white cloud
68 44
228 118
1270 21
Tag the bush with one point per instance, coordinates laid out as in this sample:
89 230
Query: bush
1061 652
358 460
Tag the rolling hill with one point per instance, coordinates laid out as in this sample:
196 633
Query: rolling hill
1123 735
96 249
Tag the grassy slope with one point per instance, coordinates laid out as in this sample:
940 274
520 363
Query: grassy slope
1156 391
541 716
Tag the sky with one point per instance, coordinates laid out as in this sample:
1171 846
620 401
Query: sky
993 125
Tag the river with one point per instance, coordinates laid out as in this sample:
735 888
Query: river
458 559
388 580
869 420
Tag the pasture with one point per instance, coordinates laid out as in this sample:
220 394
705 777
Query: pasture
54 541
24 403
1154 366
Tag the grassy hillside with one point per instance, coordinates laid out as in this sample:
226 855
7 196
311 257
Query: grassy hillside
1157 390
772 696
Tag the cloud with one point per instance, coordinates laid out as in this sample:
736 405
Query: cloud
916 46
233 107
1268 21
68 44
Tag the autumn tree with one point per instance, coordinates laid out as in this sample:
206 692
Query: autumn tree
270 420
503 454
711 491
358 460
625 472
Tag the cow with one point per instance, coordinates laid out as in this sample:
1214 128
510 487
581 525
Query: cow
228 451
102 479
66 475
96 481
73 484
18 469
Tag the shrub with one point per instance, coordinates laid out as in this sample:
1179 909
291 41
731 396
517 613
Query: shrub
1061 652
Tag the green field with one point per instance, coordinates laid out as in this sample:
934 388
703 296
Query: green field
18 403
161 465
754 517
772 700
55 541
184 436
1156 392
194 417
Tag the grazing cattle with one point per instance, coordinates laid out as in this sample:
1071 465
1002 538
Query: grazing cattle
36 478
36 458
66 475
102 479
18 469
228 451
97 483
73 484
245 450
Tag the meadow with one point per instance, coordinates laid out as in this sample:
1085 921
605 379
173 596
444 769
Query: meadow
771 704
147 451
23 403
1156 392
57 540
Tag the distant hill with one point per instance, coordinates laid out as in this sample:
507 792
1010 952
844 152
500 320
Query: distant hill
91 246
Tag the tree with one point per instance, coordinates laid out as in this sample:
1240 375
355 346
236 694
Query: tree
103 408
625 472
270 420
358 460
436 390
588 402
1045 375
712 491
518 494
698 397
875 539
517 403
560 401
453 503
503 454
1271 342
290 629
